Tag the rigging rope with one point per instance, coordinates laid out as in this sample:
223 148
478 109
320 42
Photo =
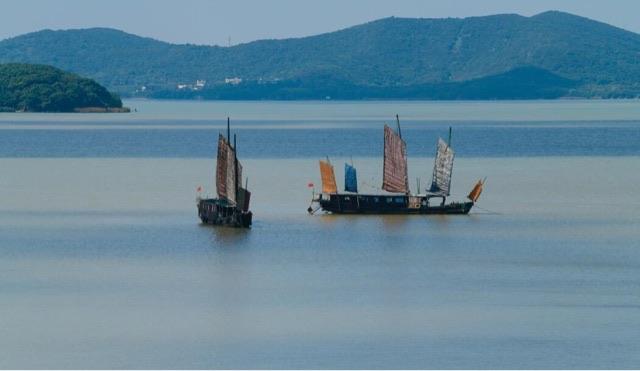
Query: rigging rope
487 211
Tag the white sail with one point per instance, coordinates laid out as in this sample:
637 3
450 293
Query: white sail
442 168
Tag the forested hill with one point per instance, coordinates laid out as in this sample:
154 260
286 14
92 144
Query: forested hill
39 88
393 54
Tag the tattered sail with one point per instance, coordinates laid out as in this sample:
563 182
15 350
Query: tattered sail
442 168
227 177
221 167
350 179
395 178
238 175
244 198
328 177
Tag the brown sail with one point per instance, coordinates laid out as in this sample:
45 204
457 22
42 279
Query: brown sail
244 198
227 177
328 177
395 178
474 195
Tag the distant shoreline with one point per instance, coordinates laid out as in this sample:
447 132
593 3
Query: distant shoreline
80 110
102 110
364 100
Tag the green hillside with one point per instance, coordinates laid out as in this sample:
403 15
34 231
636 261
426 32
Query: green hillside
397 54
39 88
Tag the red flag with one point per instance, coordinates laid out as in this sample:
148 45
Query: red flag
310 185
199 189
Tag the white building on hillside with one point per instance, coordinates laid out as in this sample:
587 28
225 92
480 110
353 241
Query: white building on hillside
233 80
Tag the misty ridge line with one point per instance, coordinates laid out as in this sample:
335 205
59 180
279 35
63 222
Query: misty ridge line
507 56
232 45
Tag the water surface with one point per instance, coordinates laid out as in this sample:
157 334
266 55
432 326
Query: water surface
103 263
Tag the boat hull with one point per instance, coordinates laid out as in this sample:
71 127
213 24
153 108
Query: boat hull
217 212
389 204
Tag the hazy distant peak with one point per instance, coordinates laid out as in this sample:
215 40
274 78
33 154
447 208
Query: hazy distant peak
556 16
92 33
559 16
549 14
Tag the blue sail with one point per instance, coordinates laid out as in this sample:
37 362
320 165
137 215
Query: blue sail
350 179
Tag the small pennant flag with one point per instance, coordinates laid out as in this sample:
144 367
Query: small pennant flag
310 185
199 189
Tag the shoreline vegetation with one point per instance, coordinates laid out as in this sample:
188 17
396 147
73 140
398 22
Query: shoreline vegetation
42 88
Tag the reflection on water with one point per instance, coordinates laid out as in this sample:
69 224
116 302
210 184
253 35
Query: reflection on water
226 237
394 222
330 220
387 222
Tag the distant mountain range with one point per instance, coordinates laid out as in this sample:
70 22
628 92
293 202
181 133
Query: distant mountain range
549 55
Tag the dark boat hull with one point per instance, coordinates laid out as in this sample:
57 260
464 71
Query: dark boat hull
389 204
217 212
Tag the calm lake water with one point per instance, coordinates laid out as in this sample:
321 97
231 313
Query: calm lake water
103 262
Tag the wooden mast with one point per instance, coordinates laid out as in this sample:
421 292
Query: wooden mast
406 181
235 164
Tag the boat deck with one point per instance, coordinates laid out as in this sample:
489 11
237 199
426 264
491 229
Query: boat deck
220 212
389 204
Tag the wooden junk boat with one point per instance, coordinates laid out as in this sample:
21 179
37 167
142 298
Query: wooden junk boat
399 200
231 208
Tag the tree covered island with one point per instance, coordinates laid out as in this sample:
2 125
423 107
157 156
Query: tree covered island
42 88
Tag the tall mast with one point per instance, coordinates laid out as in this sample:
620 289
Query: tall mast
406 181
449 141
229 130
235 163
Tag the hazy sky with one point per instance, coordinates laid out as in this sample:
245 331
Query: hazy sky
213 22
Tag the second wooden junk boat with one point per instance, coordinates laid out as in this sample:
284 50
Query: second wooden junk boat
231 208
399 200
